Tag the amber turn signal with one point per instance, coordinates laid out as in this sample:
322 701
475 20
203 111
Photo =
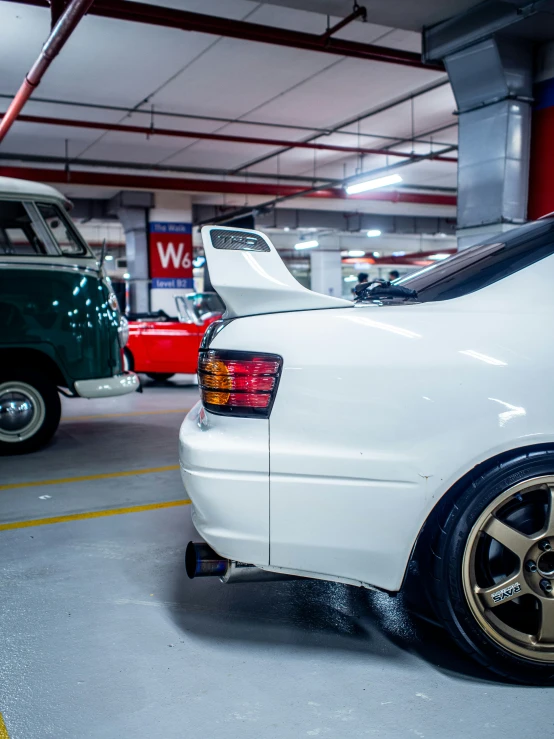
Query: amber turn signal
238 383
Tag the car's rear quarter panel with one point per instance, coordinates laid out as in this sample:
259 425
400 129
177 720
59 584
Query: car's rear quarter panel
380 410
225 470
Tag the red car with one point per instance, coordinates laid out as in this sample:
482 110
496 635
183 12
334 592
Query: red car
160 345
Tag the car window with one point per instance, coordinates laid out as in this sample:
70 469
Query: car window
63 230
19 233
482 265
205 304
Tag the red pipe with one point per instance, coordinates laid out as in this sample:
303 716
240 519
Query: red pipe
155 15
145 131
54 43
143 182
410 258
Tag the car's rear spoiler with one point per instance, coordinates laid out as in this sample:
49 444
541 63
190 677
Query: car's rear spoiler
251 277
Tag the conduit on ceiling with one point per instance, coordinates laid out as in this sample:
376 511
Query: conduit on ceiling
144 182
154 131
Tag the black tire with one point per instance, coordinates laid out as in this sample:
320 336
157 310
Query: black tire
45 393
128 360
453 525
160 376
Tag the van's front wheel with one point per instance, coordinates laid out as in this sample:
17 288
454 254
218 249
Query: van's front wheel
30 411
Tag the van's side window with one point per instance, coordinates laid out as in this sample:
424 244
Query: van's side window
19 234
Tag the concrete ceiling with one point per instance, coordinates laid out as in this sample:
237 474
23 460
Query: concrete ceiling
411 15
109 68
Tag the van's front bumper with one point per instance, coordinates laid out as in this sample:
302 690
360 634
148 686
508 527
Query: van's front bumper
225 470
107 387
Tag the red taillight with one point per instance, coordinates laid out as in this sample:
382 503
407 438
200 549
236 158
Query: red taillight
238 383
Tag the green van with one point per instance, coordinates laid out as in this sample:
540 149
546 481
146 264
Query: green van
60 325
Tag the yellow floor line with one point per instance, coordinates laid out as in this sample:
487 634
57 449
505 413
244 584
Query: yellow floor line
3 731
81 517
86 478
68 419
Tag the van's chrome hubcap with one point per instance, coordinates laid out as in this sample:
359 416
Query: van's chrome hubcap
22 411
16 411
508 569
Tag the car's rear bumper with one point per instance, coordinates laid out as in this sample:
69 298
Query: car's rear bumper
106 387
225 470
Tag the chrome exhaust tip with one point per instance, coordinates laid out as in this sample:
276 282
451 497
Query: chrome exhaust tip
202 561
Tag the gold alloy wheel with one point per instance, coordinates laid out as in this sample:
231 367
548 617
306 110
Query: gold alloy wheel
508 569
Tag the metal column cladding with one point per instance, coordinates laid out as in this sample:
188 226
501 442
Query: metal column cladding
492 84
488 53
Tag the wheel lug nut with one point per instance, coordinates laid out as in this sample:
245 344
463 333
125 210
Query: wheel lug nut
546 585
531 566
545 545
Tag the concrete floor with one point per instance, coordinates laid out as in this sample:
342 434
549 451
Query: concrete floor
102 636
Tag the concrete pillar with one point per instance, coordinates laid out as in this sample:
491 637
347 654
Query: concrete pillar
170 247
132 210
326 276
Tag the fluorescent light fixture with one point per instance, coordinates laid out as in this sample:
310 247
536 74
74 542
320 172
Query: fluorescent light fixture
350 278
356 253
126 276
390 179
287 228
398 254
377 254
373 232
306 244
108 258
438 257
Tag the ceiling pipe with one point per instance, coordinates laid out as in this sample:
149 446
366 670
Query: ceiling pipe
54 43
147 182
242 122
184 20
154 131
111 164
315 190
414 259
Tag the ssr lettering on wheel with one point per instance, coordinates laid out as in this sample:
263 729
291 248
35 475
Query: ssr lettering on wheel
493 582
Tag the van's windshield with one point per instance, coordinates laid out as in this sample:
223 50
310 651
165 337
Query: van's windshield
22 233
37 229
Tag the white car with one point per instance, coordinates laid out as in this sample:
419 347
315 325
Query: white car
409 432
